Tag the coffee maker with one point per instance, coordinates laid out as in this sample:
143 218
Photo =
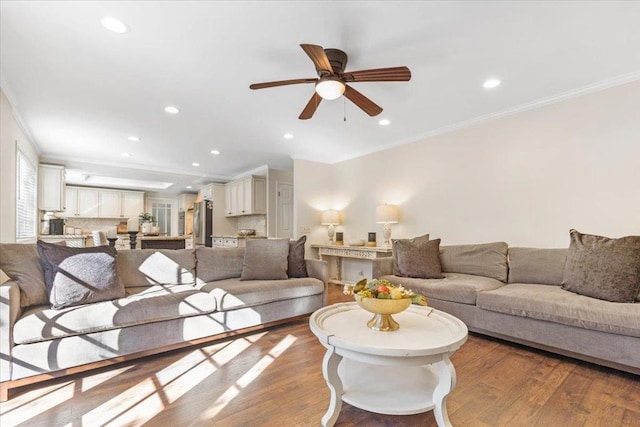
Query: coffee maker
56 226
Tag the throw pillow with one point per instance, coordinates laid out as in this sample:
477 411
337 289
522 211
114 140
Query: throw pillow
603 268
265 259
419 260
21 263
297 266
394 253
76 276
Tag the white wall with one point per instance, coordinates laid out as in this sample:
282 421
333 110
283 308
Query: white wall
12 138
525 179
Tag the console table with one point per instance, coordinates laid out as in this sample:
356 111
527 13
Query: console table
364 254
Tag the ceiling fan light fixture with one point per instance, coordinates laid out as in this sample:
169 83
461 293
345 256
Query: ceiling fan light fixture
330 88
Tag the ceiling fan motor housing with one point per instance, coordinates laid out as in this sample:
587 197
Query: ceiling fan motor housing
337 59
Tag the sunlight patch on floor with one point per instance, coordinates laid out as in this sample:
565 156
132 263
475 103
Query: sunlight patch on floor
153 394
247 378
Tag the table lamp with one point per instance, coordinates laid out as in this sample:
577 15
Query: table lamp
331 218
387 215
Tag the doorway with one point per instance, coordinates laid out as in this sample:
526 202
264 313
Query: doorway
284 210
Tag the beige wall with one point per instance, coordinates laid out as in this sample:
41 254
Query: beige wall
525 179
12 138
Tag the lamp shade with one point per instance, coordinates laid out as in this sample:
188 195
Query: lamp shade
387 214
330 88
330 217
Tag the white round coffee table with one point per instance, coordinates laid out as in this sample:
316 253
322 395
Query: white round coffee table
403 372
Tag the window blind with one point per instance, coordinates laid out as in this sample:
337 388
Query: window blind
25 198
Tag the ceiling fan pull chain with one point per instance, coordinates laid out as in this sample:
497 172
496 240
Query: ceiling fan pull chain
344 106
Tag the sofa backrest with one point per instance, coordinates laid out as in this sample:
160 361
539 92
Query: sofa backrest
219 263
486 259
148 267
533 265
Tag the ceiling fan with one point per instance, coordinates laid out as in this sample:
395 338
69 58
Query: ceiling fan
332 80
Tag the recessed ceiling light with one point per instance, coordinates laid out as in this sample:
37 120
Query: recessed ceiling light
171 109
115 25
384 122
215 152
491 83
189 187
125 154
195 164
288 136
133 138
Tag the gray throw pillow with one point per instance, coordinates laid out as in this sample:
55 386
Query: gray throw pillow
394 253
603 268
419 260
21 263
297 266
76 276
265 259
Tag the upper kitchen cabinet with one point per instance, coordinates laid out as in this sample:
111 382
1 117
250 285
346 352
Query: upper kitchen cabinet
206 192
101 203
185 202
51 188
82 202
246 196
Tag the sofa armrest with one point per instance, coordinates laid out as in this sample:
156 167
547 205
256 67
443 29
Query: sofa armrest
318 269
9 312
382 267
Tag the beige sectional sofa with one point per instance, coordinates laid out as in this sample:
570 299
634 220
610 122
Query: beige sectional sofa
173 298
515 294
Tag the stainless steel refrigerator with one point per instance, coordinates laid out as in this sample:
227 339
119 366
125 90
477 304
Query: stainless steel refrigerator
203 223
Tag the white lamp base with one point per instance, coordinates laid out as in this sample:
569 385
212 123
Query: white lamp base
331 231
386 234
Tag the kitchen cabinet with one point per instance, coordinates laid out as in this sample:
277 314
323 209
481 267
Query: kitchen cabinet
246 196
51 188
206 192
102 203
110 204
82 202
132 204
185 202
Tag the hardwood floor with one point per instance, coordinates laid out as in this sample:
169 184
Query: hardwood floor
274 378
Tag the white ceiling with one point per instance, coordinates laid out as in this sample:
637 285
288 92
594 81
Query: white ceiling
81 90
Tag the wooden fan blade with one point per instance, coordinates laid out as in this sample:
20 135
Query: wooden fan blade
393 74
318 56
311 107
367 105
281 83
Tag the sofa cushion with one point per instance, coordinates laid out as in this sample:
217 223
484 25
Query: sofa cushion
554 304
419 260
148 267
532 265
142 305
455 287
232 294
265 259
218 263
603 268
487 259
76 276
394 254
296 265
21 263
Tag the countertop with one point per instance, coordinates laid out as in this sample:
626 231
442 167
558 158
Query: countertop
141 236
235 236
64 236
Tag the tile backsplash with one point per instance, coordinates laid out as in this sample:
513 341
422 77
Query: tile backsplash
87 225
257 222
